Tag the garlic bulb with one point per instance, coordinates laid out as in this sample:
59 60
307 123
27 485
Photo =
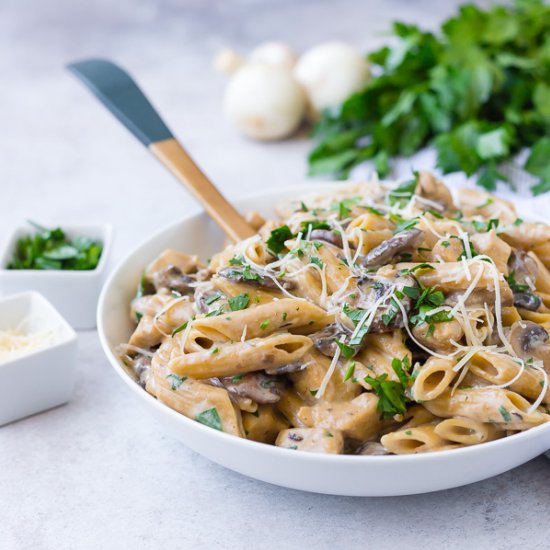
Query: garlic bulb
264 101
274 53
227 61
330 73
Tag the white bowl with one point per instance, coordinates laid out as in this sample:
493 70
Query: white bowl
44 378
73 293
331 474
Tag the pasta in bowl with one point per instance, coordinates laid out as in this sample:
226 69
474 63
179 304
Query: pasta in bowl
368 319
374 319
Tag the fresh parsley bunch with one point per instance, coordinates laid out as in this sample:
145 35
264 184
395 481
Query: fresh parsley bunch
479 91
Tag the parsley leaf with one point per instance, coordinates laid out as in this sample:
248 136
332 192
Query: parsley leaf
210 418
175 381
277 238
347 351
391 395
477 89
239 302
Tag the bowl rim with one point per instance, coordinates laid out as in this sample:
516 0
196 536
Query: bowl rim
106 230
255 446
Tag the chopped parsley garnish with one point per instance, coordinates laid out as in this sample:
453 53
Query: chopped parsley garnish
285 315
210 418
391 395
176 381
213 298
485 227
237 260
347 351
401 368
239 302
313 392
436 214
356 315
405 225
216 312
317 261
402 193
180 328
464 254
236 378
278 237
445 244
344 206
518 221
214 351
514 285
349 371
429 299
343 211
303 207
486 203
264 324
416 268
505 414
315 224
374 211
140 292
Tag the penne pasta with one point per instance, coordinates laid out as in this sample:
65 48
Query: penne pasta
295 316
377 318
433 378
466 431
419 439
502 407
197 400
241 357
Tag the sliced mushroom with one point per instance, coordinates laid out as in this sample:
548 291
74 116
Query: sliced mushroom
529 339
325 340
387 316
527 300
287 369
524 271
252 277
140 366
172 278
327 236
259 387
203 294
524 268
385 252
372 448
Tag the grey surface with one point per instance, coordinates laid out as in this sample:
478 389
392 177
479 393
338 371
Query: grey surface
98 473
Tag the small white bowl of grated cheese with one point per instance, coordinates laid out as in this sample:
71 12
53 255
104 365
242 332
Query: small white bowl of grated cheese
37 356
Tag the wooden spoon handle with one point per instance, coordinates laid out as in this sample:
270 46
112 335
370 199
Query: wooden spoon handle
124 99
171 153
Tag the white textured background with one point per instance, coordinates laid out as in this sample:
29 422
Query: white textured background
99 473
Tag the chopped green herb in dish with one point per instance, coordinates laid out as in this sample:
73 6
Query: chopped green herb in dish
52 249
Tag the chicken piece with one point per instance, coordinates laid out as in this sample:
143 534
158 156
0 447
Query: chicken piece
146 335
312 440
357 419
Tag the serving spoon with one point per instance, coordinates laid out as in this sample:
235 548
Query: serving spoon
116 89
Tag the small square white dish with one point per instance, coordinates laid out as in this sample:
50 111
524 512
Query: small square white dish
44 378
73 293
